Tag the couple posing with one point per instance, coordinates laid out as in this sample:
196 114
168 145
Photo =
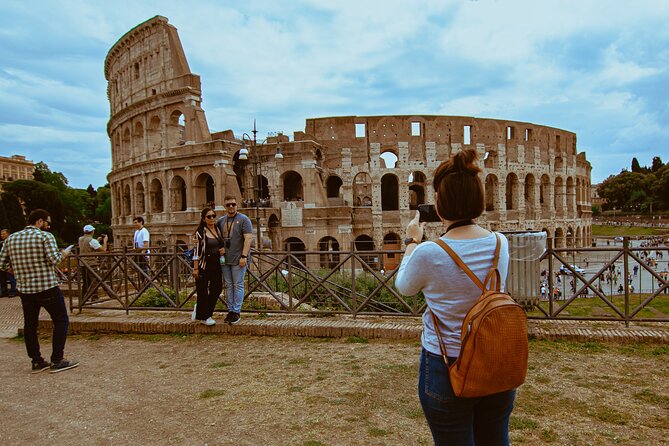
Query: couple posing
221 253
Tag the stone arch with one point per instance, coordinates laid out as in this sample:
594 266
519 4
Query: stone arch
126 200
559 238
570 197
126 145
391 242
204 191
329 247
388 159
579 237
544 193
558 163
296 244
511 192
529 195
491 159
293 190
491 187
154 138
389 192
138 138
274 226
140 206
176 129
156 196
333 184
178 194
570 237
416 182
117 147
366 243
362 189
558 196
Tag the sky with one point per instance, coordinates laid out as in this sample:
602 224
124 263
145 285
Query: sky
599 69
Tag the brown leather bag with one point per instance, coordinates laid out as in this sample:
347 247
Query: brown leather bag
494 347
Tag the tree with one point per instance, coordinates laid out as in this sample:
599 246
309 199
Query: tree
636 168
12 217
657 164
44 175
628 190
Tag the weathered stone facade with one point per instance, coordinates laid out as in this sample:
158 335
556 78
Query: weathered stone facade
344 180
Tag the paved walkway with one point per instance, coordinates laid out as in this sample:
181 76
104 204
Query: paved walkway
115 321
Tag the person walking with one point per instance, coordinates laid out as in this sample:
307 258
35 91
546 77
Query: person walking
449 294
208 242
33 255
6 276
140 244
237 231
88 244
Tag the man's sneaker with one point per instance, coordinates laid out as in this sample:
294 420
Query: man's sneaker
192 316
228 317
235 318
210 321
63 365
40 366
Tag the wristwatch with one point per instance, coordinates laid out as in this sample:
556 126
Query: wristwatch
410 240
243 256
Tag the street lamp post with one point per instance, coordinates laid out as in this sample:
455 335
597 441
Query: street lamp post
257 169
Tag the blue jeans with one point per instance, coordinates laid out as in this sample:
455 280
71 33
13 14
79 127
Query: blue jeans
53 302
461 421
4 278
234 286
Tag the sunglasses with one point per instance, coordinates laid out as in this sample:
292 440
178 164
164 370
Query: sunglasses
210 216
230 205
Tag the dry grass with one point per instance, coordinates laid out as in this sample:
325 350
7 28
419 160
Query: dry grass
286 391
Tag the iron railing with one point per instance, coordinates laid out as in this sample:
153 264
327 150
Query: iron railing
355 282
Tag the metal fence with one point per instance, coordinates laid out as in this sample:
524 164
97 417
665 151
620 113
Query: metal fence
574 283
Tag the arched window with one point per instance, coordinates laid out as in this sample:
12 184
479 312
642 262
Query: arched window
176 129
329 247
389 192
391 242
529 196
362 190
366 243
154 139
138 139
571 196
388 160
156 195
558 196
416 182
491 186
334 184
294 244
126 200
292 186
204 191
127 149
140 208
178 194
544 193
511 192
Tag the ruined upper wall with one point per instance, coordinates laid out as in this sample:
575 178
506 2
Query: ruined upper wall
147 61
442 130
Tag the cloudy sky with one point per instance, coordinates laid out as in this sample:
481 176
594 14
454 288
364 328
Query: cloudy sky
596 68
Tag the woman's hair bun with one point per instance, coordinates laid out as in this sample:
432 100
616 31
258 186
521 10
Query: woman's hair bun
465 161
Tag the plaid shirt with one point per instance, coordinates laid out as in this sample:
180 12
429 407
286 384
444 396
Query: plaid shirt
32 254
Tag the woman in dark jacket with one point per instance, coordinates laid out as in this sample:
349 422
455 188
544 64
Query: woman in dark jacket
208 241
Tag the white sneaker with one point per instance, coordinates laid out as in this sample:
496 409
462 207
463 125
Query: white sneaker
210 321
192 316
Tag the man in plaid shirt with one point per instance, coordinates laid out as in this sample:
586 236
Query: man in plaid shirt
32 255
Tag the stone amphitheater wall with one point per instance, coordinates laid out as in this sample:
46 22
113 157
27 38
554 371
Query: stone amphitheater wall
346 181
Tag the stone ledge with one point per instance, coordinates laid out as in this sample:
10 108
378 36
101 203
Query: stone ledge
326 327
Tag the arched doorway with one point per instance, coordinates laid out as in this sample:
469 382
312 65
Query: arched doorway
329 247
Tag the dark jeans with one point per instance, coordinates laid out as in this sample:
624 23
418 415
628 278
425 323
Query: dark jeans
4 278
461 421
208 287
53 302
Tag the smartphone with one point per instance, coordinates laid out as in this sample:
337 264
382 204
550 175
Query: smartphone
428 213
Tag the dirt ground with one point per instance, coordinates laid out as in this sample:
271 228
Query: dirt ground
236 390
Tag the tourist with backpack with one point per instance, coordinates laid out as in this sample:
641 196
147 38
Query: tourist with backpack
466 388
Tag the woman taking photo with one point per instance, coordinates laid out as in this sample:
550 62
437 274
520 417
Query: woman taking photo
207 267
450 293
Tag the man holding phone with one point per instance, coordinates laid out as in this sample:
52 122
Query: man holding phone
32 254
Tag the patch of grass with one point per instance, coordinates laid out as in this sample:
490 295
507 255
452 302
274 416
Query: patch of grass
609 415
357 340
294 389
549 435
94 337
298 361
543 379
648 396
220 365
415 413
210 393
621 231
312 443
376 432
522 423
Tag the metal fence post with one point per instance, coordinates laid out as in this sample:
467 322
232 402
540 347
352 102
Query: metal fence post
626 286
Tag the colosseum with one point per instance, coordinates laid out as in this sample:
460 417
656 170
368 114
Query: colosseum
344 182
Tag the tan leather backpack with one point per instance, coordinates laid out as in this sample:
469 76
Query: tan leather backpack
494 347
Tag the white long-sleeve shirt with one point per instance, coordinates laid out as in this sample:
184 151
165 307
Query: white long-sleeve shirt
448 290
